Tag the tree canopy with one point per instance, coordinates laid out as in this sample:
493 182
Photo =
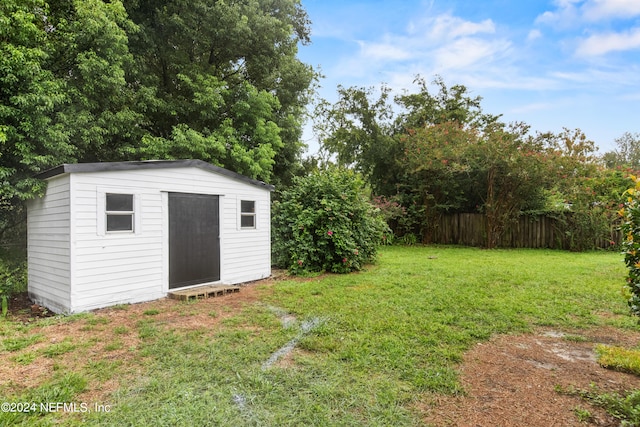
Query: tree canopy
432 153
95 80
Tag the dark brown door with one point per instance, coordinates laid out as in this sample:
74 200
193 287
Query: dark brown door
194 239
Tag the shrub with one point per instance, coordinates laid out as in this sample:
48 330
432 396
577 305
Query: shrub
13 278
630 214
325 222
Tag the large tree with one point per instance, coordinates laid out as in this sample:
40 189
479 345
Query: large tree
223 81
358 130
93 80
29 94
512 172
627 152
64 96
90 54
366 128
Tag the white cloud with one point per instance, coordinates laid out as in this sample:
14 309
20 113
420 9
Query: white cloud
534 35
572 12
601 44
564 16
449 27
384 51
449 41
476 54
573 77
596 10
467 52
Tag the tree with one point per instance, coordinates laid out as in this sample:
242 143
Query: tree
91 56
498 170
91 80
358 130
437 178
448 105
364 127
511 170
30 95
586 193
627 152
630 215
437 152
63 91
226 75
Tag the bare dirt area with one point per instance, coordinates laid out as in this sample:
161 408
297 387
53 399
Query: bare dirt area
511 380
514 380
107 336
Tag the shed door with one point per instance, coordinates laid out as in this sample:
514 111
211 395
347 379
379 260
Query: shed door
194 239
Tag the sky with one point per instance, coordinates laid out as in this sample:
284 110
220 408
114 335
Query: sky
552 64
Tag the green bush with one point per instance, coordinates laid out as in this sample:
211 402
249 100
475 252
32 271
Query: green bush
13 279
630 214
325 222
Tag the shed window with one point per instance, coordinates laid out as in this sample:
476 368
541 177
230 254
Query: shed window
247 214
119 210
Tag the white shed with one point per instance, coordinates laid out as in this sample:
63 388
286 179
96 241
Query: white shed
127 232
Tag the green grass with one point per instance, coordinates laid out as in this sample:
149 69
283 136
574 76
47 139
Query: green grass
386 339
120 330
619 358
114 345
62 387
58 349
20 342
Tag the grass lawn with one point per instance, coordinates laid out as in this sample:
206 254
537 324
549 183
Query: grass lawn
368 346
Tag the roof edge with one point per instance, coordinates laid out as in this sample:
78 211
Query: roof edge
148 164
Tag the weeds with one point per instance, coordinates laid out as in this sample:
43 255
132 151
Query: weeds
114 345
13 278
583 415
121 330
59 349
63 387
18 343
5 303
624 407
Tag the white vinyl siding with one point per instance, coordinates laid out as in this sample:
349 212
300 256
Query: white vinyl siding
116 267
48 246
127 267
245 248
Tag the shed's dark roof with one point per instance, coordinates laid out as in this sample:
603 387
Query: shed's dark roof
148 164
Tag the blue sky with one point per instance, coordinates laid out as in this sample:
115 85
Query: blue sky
551 63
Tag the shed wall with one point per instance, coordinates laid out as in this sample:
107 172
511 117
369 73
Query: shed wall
48 246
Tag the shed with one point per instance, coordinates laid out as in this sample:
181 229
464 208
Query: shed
126 232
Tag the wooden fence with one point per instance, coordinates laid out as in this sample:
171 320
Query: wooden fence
469 229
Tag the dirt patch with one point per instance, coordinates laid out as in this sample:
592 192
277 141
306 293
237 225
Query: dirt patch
514 380
106 336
